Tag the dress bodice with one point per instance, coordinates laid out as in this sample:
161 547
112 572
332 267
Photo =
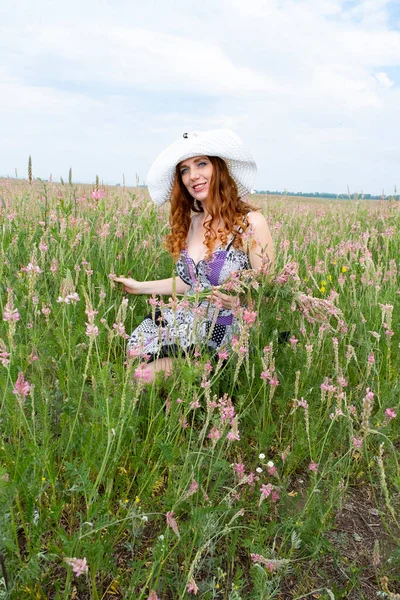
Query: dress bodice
213 271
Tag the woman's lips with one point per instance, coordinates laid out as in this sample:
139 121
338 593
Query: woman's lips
199 186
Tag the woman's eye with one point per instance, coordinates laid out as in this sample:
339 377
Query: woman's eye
183 171
202 163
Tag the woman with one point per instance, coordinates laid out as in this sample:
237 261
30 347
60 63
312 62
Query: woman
206 176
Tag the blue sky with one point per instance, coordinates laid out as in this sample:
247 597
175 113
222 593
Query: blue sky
311 86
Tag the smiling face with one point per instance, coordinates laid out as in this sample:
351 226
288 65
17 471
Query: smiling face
196 174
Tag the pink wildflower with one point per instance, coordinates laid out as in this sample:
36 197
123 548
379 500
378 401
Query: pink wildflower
10 314
313 466
214 434
240 469
223 355
293 342
275 495
390 413
92 331
4 357
257 558
79 565
142 373
171 522
22 387
192 587
357 443
371 358
153 596
265 490
194 486
274 381
5 477
249 316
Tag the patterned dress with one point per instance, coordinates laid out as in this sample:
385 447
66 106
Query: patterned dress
180 330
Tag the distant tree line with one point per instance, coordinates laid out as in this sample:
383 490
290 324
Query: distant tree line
355 196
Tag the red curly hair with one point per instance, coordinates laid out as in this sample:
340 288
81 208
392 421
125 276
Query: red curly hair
223 204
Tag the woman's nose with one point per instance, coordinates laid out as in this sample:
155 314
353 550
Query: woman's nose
194 174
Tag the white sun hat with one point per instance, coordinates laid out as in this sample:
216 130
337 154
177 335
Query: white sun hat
216 142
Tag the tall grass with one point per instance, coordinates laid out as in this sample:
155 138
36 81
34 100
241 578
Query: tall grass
218 483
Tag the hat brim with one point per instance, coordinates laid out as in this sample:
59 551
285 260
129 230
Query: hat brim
217 142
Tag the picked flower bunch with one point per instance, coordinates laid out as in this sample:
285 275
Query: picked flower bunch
250 287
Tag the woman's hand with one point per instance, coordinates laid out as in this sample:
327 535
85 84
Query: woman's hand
131 286
223 300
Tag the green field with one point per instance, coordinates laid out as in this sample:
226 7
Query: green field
274 476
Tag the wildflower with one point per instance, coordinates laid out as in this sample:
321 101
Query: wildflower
98 194
273 471
240 469
368 403
265 490
79 565
313 466
10 314
5 477
142 373
233 435
257 558
293 342
22 387
92 331
194 486
153 596
259 470
344 269
275 495
192 587
171 522
391 413
249 316
214 434
357 443
223 355
261 456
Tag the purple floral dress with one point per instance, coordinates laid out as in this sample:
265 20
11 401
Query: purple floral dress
191 324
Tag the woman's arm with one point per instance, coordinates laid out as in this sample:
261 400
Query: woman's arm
261 255
161 287
262 250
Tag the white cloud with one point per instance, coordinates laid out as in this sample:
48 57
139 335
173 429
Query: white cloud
309 84
384 80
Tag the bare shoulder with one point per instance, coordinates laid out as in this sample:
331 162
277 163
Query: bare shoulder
257 220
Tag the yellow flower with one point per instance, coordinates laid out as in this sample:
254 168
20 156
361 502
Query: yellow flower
137 500
323 282
330 277
322 289
344 269
43 479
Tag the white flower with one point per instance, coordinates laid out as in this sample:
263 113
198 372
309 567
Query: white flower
161 537
261 456
270 464
145 518
259 470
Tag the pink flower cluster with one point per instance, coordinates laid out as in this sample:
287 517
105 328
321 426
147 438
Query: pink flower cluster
98 194
79 565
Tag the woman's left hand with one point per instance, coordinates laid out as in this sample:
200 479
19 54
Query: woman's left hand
223 300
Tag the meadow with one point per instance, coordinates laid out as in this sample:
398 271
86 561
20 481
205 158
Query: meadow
271 474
